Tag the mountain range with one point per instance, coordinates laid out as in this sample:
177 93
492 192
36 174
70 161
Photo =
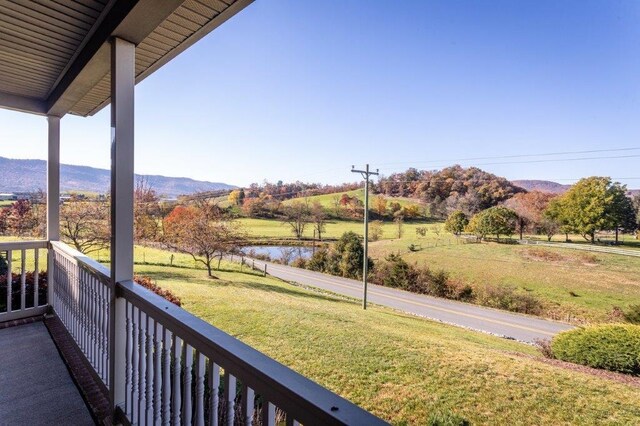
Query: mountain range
30 175
553 187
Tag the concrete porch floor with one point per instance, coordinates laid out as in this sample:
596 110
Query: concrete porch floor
35 386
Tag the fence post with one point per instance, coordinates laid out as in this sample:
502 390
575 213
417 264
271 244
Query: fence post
253 264
265 269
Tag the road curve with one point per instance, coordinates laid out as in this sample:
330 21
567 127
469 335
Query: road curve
502 323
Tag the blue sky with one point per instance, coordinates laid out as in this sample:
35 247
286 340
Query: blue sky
293 89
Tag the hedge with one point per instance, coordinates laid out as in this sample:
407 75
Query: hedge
614 347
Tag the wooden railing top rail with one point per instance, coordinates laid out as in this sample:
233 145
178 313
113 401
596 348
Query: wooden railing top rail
26 245
299 396
101 271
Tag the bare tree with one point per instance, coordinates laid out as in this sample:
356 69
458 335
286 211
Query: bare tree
319 217
146 211
85 225
297 216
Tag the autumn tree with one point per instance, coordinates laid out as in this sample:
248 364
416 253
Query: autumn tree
297 215
380 204
411 211
21 219
236 197
85 225
4 220
456 222
497 221
529 206
192 230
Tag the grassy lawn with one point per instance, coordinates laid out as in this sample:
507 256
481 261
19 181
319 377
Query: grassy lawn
400 367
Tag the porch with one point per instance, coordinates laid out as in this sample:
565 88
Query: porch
153 361
173 367
41 389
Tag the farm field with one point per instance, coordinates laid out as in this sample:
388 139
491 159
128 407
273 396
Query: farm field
573 285
272 228
401 368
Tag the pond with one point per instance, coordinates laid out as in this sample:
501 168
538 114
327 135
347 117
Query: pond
287 253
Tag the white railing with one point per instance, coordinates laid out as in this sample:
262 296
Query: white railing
81 293
170 367
21 292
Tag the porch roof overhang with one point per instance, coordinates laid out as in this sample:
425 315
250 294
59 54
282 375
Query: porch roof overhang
55 55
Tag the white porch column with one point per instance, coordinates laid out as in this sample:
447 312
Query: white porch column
53 180
122 182
53 196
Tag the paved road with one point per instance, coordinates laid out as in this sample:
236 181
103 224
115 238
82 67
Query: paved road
502 323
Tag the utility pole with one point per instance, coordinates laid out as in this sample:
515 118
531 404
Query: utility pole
365 264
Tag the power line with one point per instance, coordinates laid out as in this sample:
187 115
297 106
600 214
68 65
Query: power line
546 154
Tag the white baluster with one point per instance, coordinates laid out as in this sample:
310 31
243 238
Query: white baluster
230 396
186 380
166 379
157 369
248 403
142 401
268 414
23 280
199 420
127 360
36 278
214 398
176 397
135 362
150 374
9 280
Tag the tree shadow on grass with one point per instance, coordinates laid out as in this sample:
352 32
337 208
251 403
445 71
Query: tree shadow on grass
291 290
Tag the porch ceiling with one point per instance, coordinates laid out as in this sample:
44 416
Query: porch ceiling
55 55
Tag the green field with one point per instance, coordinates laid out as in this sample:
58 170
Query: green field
400 367
271 228
328 200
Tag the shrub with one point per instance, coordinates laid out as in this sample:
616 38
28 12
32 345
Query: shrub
3 265
632 314
16 288
614 347
319 260
299 262
150 285
509 299
544 346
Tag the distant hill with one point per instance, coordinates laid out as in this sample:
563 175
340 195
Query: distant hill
553 187
30 175
542 186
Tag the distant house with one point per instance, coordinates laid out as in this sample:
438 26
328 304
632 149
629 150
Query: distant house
8 196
